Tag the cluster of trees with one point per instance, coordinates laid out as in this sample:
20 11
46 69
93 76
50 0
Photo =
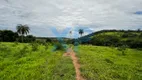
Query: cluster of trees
8 36
19 36
117 38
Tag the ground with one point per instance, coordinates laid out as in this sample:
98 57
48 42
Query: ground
31 62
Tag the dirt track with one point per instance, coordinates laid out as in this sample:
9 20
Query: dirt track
71 53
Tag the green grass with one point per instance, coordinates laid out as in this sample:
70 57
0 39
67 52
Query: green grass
22 62
104 63
37 62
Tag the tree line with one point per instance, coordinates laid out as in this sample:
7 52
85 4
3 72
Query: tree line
19 36
116 38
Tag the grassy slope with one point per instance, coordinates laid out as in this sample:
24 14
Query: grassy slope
114 33
104 63
119 34
19 62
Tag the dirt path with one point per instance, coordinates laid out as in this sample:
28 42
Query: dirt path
71 53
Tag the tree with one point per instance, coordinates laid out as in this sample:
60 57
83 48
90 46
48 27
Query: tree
81 31
8 35
22 30
30 38
139 30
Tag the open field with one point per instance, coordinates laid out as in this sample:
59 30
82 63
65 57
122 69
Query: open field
104 63
21 61
26 62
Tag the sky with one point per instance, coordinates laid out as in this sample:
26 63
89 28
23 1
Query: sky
55 18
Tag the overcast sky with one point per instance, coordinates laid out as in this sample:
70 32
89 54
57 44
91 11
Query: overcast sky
58 17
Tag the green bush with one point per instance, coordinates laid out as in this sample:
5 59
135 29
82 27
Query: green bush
34 46
40 42
22 52
123 48
59 46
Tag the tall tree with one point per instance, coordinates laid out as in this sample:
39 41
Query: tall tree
81 31
22 30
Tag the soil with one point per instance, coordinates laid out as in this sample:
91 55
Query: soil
74 58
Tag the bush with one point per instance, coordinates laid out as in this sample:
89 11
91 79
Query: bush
123 49
105 40
40 42
59 46
48 40
22 52
46 46
27 39
34 46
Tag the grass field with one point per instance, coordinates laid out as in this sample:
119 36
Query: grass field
104 63
27 62
39 62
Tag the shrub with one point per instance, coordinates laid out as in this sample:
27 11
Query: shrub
46 46
109 61
48 40
22 52
34 46
123 49
40 42
15 43
59 46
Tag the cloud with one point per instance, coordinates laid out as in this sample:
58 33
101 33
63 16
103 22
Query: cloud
42 15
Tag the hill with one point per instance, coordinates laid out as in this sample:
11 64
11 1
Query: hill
130 38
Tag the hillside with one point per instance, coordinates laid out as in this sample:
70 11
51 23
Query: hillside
116 38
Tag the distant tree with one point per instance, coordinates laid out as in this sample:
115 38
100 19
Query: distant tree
22 30
139 30
81 31
8 35
48 40
30 38
140 35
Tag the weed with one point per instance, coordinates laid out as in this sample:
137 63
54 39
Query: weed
34 46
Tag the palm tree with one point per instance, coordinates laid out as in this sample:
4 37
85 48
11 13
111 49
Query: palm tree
81 31
22 30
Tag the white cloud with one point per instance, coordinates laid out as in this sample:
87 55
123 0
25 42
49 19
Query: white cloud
95 14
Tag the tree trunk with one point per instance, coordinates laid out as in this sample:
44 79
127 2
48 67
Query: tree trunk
81 35
22 38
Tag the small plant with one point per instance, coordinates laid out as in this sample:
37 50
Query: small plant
46 46
59 46
123 49
109 61
4 47
15 44
23 51
34 46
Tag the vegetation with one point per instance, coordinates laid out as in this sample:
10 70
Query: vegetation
22 30
18 61
41 58
81 31
104 63
8 36
116 38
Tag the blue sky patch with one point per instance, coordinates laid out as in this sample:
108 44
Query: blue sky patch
138 12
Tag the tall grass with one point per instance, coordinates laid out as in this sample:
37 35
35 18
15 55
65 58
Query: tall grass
33 62
104 63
